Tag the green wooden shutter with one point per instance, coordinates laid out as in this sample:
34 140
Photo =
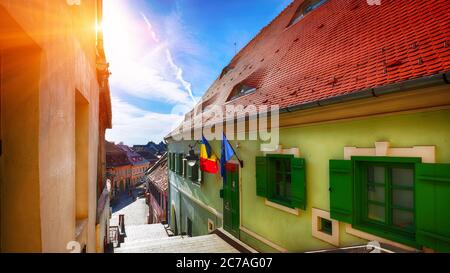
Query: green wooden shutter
194 173
189 172
298 183
169 161
341 190
175 162
261 176
199 173
179 159
432 190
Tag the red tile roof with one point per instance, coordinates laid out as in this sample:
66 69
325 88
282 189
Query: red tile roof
157 175
115 157
342 47
133 157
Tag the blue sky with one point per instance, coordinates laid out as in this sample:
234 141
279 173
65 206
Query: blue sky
164 54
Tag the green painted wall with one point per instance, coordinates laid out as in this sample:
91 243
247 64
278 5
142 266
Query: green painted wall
181 191
318 144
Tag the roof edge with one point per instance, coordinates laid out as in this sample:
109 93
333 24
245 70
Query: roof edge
404 86
427 81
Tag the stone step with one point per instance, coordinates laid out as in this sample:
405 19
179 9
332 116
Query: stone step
140 246
145 242
202 244
143 232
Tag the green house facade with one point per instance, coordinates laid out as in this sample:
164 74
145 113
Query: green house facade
363 157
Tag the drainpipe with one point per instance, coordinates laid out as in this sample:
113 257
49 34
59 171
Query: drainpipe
438 79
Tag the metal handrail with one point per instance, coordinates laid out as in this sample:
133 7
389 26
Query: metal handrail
114 235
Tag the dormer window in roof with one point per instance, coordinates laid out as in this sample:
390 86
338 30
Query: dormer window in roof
306 7
241 90
226 70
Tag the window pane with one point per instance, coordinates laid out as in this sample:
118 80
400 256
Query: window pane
279 188
376 213
287 165
403 198
376 174
288 186
376 193
277 165
402 177
403 219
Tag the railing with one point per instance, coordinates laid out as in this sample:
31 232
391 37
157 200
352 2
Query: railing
114 236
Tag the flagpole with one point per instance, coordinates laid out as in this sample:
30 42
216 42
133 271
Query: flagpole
241 163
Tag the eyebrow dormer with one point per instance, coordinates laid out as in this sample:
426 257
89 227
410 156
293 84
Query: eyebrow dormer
306 7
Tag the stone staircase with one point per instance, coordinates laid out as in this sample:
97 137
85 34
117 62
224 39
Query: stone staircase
154 239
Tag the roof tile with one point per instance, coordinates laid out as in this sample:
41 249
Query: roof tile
342 47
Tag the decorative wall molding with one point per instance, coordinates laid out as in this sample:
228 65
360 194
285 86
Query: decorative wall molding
427 153
280 151
270 150
333 239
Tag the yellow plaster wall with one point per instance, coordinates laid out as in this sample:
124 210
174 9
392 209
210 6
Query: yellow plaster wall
20 159
318 144
66 36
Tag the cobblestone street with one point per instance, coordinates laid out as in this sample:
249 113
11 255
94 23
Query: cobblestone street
135 211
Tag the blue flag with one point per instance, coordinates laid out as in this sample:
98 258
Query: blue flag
227 155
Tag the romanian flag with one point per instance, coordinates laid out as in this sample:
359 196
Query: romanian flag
208 160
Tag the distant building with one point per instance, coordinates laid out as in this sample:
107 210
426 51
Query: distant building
119 168
138 165
150 154
151 151
157 185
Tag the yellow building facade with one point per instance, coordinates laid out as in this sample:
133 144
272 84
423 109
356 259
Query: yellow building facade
50 130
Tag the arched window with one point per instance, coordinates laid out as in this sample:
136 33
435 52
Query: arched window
305 8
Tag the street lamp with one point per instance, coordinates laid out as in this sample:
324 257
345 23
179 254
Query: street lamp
192 158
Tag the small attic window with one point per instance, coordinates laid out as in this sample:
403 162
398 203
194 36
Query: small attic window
305 8
241 90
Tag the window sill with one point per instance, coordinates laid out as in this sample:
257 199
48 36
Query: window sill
282 207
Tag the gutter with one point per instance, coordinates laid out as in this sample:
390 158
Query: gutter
423 82
428 81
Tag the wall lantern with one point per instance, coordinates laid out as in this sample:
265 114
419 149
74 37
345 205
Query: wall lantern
192 158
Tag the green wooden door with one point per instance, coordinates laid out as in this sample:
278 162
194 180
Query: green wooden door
231 202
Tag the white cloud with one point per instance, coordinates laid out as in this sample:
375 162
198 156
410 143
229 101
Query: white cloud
150 28
139 58
133 125
142 50
179 74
